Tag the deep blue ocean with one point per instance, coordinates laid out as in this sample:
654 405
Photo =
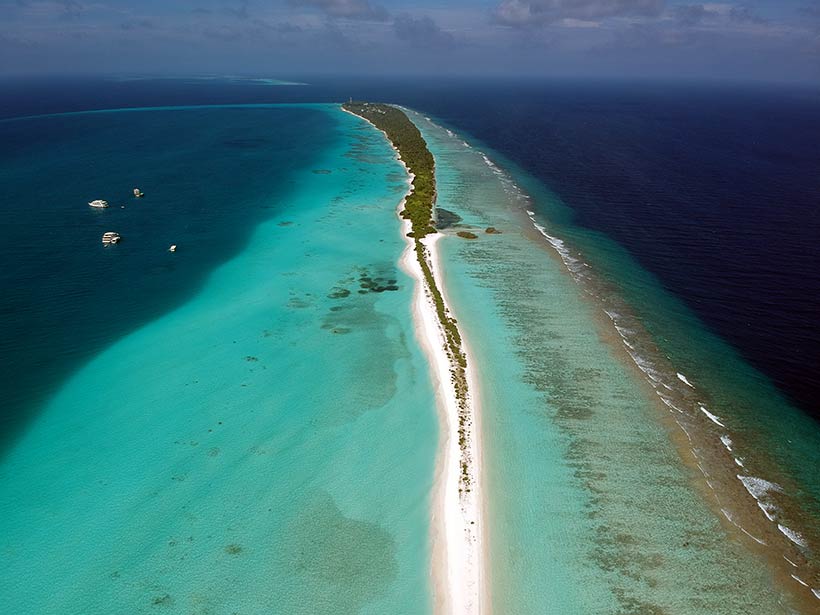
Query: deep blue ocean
712 188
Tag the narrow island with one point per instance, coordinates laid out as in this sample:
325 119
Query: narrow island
457 566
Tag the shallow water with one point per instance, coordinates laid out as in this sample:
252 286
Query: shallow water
591 507
266 446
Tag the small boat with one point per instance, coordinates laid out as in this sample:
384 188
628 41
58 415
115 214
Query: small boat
110 238
138 193
98 203
173 248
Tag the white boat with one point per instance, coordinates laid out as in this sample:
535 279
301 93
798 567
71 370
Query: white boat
98 203
173 248
138 193
110 237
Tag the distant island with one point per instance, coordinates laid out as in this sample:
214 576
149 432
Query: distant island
414 153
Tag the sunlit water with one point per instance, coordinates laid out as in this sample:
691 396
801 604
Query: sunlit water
265 446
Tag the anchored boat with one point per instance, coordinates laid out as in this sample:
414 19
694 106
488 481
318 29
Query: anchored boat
110 238
98 203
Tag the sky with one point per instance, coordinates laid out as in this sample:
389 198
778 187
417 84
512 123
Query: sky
753 40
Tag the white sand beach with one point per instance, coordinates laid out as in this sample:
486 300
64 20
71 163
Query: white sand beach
458 564
458 541
458 556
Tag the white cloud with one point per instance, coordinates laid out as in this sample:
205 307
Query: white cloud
538 12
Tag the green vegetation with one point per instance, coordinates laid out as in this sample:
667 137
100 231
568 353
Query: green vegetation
412 148
418 208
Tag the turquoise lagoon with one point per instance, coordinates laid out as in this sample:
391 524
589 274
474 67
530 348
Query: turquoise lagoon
267 444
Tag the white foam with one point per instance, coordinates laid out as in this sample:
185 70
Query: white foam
572 263
643 364
767 509
791 562
742 529
556 243
668 402
799 580
715 419
624 332
755 538
795 537
816 593
491 164
758 487
627 344
683 379
727 442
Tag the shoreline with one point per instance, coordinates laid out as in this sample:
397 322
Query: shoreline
457 535
726 497
781 551
719 473
718 492
457 532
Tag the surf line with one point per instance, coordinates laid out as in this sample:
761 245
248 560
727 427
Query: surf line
458 567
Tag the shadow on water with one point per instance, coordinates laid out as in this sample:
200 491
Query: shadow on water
209 177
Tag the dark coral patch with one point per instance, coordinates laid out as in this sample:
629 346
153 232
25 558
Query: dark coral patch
337 292
164 600
233 549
